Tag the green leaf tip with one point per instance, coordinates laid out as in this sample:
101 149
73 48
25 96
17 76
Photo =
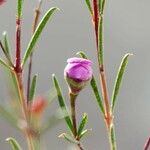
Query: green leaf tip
82 54
37 33
7 47
88 3
14 143
119 78
84 132
69 138
19 8
62 103
2 62
82 124
33 88
5 40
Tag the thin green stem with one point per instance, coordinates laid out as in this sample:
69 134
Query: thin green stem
73 113
112 138
99 33
73 116
24 110
18 74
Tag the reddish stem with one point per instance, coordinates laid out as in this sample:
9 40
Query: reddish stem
96 19
101 68
147 145
18 45
108 115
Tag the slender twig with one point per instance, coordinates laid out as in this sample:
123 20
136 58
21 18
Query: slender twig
80 146
73 113
18 45
24 109
101 65
73 116
108 116
147 144
35 23
20 85
98 22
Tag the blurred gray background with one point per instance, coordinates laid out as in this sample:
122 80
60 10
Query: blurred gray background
127 29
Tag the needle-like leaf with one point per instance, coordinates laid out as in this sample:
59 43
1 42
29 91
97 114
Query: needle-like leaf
14 143
88 3
33 88
19 8
62 104
69 138
82 124
119 78
2 62
101 40
37 34
6 44
84 132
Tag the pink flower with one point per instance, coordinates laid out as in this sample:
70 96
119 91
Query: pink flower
2 1
78 72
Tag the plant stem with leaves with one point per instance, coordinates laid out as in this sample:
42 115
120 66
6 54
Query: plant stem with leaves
107 109
34 26
16 69
99 23
76 132
19 76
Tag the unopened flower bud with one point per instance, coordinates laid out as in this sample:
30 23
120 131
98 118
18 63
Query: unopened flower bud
77 73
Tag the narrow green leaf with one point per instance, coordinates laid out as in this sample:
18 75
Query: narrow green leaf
97 95
62 104
15 86
82 54
103 6
88 3
6 44
119 78
33 88
68 138
14 143
113 137
8 116
2 62
19 8
6 54
94 87
37 34
100 41
84 133
82 123
99 5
